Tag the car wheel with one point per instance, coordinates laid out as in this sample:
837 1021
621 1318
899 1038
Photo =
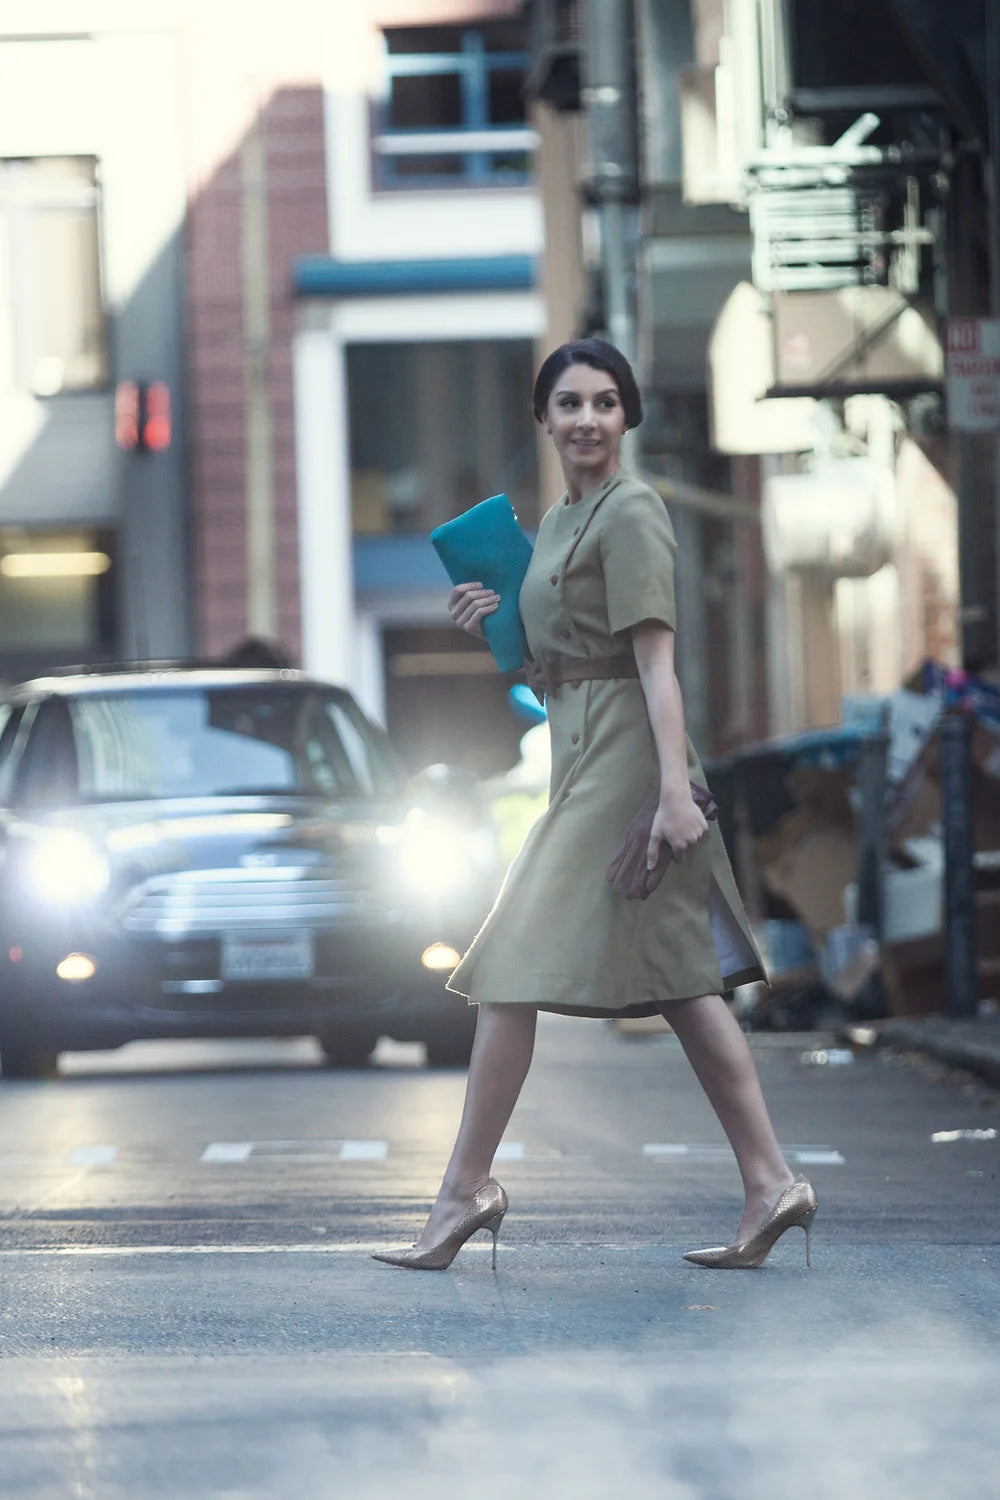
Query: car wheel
346 1045
451 1048
23 1058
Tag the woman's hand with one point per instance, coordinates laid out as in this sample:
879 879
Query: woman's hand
678 822
469 604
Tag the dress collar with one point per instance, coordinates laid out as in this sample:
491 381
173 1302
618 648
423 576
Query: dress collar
590 497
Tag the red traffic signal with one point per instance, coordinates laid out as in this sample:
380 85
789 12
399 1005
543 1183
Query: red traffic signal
142 416
156 416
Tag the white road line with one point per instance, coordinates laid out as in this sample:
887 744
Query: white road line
227 1151
93 1156
364 1150
510 1151
806 1156
124 1252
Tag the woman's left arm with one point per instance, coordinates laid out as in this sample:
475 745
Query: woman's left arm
678 818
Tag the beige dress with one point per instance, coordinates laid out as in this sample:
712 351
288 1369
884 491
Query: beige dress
558 937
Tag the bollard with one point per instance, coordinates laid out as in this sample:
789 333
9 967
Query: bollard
961 976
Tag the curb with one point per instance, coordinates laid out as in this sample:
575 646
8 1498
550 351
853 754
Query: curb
939 1040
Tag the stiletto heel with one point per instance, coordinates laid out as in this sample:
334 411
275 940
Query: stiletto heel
796 1208
494 1227
485 1211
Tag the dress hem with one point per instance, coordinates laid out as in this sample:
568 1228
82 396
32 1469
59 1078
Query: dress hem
624 1012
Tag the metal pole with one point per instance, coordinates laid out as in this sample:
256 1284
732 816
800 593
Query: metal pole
611 170
993 239
261 613
872 786
961 972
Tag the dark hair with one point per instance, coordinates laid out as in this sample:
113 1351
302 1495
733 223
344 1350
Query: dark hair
599 355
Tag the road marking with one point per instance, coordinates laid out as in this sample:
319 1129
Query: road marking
124 1252
227 1151
510 1151
805 1156
364 1150
230 1152
93 1156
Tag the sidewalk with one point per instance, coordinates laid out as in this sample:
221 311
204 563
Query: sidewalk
973 1044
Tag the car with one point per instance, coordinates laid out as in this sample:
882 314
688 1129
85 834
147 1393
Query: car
217 852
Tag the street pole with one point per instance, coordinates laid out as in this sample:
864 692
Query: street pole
993 208
261 611
611 174
961 965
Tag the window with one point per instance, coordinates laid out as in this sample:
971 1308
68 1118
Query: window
189 742
434 427
52 332
453 109
57 591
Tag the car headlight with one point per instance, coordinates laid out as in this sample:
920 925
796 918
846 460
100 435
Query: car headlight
64 866
433 857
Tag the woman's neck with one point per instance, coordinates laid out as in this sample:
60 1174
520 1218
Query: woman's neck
580 483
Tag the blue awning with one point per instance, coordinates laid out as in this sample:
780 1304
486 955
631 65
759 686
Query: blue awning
321 276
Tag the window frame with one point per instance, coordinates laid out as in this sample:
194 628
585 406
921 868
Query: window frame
475 142
77 197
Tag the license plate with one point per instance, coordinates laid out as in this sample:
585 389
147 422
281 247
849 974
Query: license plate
247 958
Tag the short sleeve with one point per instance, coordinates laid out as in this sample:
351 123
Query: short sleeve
637 555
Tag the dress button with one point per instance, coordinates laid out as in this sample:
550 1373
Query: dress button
554 579
563 634
574 739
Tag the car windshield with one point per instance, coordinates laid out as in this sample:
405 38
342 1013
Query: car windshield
239 741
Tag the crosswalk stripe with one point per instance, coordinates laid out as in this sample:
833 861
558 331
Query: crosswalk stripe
510 1151
93 1156
364 1150
227 1151
805 1156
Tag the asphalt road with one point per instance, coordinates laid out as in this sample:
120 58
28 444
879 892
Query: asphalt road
188 1307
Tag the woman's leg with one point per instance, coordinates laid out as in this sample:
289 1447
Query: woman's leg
723 1063
501 1056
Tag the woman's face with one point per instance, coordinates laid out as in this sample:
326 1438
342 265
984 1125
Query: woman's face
585 419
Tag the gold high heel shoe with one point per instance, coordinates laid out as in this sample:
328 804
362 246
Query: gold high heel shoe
486 1211
796 1208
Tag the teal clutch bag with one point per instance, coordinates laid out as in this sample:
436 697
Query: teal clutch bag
487 544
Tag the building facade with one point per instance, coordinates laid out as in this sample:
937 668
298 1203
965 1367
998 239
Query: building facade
93 538
320 238
807 212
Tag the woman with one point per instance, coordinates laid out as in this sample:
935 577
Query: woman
598 610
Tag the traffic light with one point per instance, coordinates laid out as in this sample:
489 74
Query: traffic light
142 416
155 430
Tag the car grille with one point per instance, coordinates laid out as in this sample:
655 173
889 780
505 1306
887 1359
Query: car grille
212 900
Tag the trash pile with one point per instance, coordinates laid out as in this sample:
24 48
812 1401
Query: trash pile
791 813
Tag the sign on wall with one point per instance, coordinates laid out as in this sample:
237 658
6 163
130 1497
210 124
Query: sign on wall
972 374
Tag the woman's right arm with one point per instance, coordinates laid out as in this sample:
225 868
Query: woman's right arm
469 603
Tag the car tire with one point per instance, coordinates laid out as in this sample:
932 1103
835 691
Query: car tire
21 1057
451 1047
346 1045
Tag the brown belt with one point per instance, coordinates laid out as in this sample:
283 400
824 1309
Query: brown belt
547 673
